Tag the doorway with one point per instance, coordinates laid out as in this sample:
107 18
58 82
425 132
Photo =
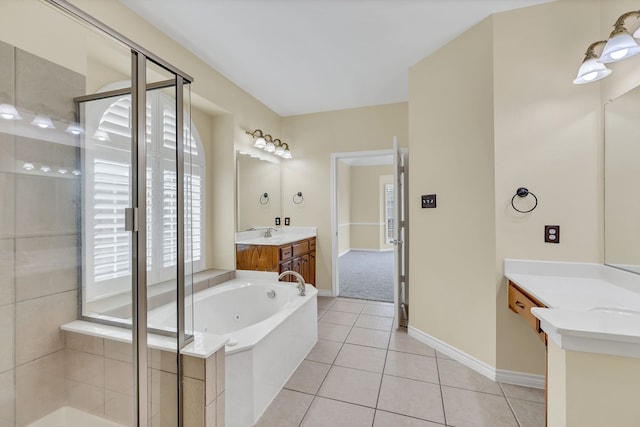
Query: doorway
368 251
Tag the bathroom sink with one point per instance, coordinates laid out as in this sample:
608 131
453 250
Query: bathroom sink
616 310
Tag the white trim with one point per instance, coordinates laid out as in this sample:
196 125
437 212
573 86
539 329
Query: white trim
371 250
344 253
377 224
324 293
503 376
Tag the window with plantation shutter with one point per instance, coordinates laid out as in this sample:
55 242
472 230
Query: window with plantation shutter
108 168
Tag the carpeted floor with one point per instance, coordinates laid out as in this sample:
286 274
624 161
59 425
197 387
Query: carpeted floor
366 275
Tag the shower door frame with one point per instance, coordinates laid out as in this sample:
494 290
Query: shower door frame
137 223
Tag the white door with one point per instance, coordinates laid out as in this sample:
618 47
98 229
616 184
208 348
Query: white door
400 282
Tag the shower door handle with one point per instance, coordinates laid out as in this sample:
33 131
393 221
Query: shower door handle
131 219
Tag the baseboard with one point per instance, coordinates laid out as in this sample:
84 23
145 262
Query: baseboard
370 250
324 293
508 377
344 253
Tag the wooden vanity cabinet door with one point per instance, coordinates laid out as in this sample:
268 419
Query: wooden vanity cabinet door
256 257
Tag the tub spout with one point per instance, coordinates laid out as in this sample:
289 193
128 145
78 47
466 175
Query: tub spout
301 287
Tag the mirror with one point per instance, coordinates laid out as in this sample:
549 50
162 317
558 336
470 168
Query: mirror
258 196
621 175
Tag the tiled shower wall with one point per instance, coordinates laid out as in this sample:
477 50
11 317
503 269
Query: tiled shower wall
39 228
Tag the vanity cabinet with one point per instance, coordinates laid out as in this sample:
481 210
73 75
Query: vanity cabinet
298 256
521 302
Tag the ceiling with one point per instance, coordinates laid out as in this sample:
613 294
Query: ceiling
307 56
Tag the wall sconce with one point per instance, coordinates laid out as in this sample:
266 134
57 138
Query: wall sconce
620 45
270 145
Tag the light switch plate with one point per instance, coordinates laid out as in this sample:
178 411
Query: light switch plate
428 201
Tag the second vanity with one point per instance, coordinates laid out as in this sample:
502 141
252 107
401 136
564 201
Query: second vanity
287 248
588 315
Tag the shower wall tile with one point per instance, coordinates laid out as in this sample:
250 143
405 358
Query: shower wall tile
45 266
7 148
118 351
45 206
118 376
7 399
7 77
118 407
85 343
45 87
7 213
84 367
38 325
39 152
85 397
39 388
6 271
6 338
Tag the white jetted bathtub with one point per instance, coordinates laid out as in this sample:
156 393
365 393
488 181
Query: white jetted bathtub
270 329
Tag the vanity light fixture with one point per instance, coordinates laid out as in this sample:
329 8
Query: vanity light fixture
269 144
286 153
9 112
620 45
591 70
43 122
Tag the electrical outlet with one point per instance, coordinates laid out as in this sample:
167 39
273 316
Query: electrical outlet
429 201
277 220
552 233
287 221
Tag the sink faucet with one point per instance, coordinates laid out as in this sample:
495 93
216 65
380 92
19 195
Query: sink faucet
301 287
267 231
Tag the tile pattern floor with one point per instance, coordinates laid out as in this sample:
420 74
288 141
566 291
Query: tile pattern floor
361 373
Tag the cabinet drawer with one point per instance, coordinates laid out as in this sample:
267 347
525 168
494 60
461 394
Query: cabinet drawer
285 253
521 303
301 248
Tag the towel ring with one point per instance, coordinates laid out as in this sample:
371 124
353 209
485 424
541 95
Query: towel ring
264 199
297 198
523 192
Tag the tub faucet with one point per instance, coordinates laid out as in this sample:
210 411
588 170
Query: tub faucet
267 231
301 287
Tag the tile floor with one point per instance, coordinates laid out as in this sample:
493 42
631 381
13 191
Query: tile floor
361 373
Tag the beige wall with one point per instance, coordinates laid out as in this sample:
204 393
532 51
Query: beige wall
313 138
547 138
367 218
451 122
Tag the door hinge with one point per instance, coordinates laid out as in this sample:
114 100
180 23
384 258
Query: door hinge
402 223
131 219
403 279
401 169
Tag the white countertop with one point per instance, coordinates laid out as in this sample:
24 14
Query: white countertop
592 307
281 236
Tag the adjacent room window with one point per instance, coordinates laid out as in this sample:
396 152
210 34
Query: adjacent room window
108 183
390 222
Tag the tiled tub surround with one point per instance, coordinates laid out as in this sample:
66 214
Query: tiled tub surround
593 329
38 236
269 338
98 379
363 373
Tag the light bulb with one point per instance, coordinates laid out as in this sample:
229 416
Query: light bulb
260 143
619 54
74 129
62 171
101 135
270 148
76 172
28 166
45 168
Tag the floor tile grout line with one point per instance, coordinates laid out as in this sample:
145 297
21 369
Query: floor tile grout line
444 411
511 408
